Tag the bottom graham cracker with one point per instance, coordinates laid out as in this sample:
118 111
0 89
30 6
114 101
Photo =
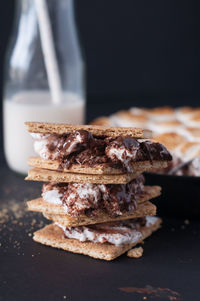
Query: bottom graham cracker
52 235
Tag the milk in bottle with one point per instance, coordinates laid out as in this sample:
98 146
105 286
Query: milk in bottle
41 59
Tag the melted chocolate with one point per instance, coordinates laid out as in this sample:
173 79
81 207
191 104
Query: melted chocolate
89 198
154 292
61 146
119 198
82 147
117 227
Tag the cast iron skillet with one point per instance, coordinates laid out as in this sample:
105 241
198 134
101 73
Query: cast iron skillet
180 195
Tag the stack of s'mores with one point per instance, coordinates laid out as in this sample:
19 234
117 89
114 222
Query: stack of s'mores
94 192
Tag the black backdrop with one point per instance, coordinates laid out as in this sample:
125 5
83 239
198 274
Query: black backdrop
137 52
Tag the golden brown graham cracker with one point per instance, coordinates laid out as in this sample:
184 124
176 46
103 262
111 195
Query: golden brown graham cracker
57 213
52 235
135 252
138 167
96 130
45 175
143 209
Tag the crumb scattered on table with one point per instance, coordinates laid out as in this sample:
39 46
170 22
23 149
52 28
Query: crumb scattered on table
135 252
14 218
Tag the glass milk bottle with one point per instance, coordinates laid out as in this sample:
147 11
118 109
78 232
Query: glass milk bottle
44 75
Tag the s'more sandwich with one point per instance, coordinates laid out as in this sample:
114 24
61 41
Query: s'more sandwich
95 193
95 150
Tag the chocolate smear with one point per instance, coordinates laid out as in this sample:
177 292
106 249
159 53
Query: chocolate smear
154 292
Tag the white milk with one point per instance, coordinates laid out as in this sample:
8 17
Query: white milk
34 106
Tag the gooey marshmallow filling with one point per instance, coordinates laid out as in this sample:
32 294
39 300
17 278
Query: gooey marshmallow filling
52 196
83 190
123 236
115 233
40 144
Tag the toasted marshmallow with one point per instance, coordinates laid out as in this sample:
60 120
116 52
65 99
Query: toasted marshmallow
194 120
138 111
194 168
188 151
190 134
165 127
127 119
170 140
101 121
183 114
161 114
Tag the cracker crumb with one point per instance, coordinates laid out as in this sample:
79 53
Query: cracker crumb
135 252
15 218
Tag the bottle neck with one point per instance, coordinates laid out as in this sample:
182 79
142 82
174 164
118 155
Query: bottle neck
26 64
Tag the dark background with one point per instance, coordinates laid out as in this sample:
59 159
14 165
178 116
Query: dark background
137 53
143 53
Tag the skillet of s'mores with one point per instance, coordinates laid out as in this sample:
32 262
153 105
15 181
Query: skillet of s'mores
178 129
94 192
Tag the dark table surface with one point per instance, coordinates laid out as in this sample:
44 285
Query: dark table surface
30 271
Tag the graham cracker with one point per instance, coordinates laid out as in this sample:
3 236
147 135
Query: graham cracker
45 175
143 209
55 211
52 235
138 167
96 130
135 252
